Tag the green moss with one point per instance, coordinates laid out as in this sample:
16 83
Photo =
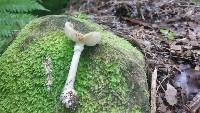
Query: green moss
104 79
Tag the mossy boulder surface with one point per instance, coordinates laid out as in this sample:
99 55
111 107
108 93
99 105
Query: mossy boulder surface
110 78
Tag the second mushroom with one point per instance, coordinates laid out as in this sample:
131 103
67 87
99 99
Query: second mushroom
69 96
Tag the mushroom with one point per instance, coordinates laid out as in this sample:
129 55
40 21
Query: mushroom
69 96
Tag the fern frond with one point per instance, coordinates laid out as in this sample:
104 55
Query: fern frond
7 31
20 6
20 19
13 22
13 16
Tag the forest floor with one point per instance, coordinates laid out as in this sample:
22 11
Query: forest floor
167 32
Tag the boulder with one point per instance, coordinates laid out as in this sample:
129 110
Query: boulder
110 77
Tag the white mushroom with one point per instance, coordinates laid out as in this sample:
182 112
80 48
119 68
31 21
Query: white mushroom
69 95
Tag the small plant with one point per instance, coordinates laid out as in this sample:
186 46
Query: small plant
167 33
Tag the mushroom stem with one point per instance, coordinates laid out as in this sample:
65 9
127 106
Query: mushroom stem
69 97
78 48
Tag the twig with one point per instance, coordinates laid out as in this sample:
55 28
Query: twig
160 84
153 91
194 105
138 22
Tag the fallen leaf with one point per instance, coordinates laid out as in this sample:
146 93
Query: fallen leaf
197 68
161 106
188 80
191 35
168 111
170 94
176 47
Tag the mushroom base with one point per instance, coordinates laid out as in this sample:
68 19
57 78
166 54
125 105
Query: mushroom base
70 99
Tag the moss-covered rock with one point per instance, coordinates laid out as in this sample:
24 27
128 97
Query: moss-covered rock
110 79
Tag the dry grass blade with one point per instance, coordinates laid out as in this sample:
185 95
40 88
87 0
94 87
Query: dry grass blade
153 91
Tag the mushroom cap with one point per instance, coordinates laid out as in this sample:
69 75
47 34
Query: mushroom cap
92 38
89 39
71 33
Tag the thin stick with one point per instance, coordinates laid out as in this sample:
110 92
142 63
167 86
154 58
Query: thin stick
153 91
160 84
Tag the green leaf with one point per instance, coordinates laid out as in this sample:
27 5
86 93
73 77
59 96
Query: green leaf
169 34
14 15
164 31
6 31
20 6
20 19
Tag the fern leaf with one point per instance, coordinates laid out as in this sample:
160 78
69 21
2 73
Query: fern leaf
7 31
13 22
13 16
19 6
10 19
